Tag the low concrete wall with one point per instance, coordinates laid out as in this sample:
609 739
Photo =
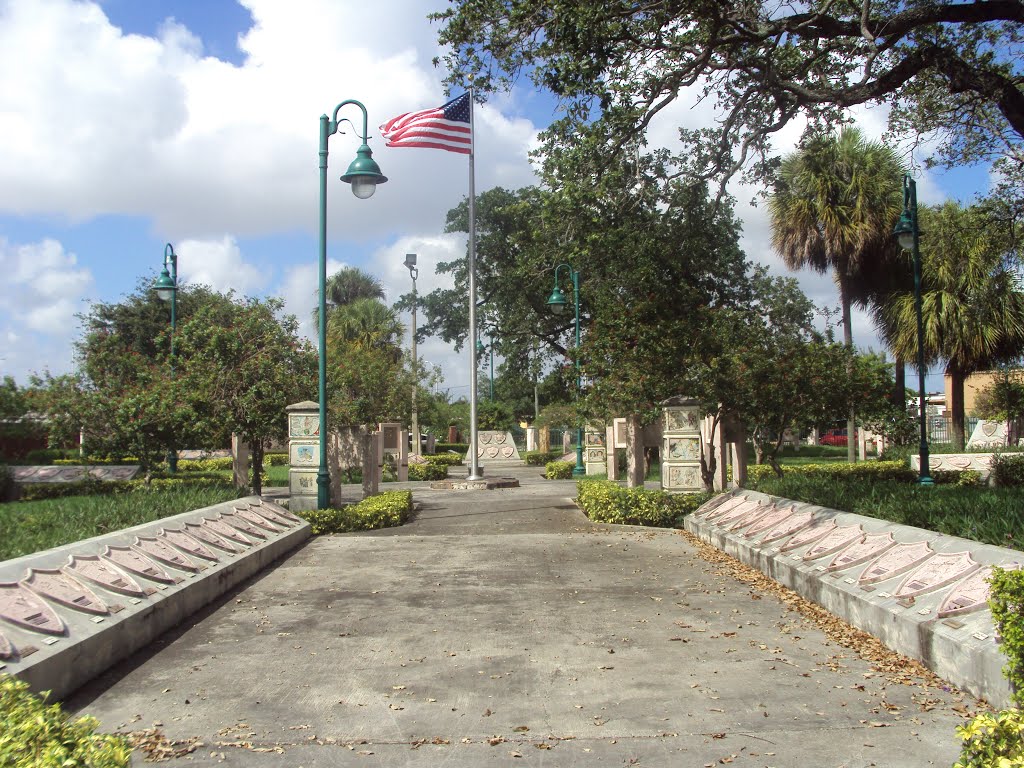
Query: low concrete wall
921 593
69 613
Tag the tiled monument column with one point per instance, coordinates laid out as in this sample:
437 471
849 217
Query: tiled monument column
680 450
303 454
595 458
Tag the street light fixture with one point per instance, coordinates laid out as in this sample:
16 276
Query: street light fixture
364 175
908 234
558 304
167 290
410 263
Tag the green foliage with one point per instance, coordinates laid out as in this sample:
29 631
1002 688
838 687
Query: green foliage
992 740
218 464
386 510
92 487
540 458
6 483
428 471
36 735
96 461
445 459
965 478
48 456
559 470
492 414
1008 470
31 526
1006 599
988 515
459 448
604 501
276 459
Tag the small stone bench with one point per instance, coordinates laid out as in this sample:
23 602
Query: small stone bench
69 613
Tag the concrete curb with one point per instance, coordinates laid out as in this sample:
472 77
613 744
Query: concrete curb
921 593
61 626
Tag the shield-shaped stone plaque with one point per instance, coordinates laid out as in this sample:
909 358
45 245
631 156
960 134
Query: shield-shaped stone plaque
942 569
508 450
839 538
776 516
277 508
62 589
242 525
220 527
809 535
187 544
24 609
207 535
137 563
753 516
872 545
736 513
723 507
969 595
788 526
96 571
895 561
271 516
164 553
7 649
249 516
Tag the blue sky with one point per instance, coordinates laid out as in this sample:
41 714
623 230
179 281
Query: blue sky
133 123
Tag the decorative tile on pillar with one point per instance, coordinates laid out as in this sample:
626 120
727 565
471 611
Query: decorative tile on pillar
684 478
682 448
303 425
303 454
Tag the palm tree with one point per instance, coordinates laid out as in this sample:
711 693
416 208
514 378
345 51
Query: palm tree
833 209
972 303
347 285
367 323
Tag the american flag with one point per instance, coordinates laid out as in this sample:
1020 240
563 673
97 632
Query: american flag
445 127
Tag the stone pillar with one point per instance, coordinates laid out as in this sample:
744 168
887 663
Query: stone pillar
611 462
431 445
595 457
681 446
567 440
531 438
372 456
635 464
403 456
303 454
239 461
344 451
544 440
862 443
453 434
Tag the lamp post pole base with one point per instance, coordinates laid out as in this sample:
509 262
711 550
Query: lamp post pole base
323 489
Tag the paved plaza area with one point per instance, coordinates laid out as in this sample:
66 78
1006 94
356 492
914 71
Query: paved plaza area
502 628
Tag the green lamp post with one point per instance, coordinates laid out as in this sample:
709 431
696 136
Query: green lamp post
480 349
908 234
167 290
364 175
558 303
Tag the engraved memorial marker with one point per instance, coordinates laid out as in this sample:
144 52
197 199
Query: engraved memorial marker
245 527
872 545
944 568
277 508
61 588
773 518
789 526
187 544
809 536
164 553
137 563
838 538
94 570
969 595
897 560
7 649
220 527
732 503
207 535
753 516
24 609
736 513
269 514
257 520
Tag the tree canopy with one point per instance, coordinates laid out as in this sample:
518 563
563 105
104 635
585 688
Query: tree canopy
949 70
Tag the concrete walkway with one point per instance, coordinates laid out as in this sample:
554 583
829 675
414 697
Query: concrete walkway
502 628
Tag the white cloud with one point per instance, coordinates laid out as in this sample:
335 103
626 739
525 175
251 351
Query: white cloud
218 264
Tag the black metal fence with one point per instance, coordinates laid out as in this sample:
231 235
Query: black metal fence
940 428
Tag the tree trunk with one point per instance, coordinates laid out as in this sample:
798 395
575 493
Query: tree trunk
256 451
851 423
634 453
957 379
899 390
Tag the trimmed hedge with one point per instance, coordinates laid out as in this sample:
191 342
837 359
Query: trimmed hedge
445 459
605 501
873 470
559 470
457 447
429 471
540 458
386 510
93 487
41 736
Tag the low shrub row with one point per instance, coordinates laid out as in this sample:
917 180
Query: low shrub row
445 459
33 733
92 487
386 510
605 501
428 471
559 470
540 458
870 470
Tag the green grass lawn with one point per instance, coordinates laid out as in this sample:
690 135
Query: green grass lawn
31 526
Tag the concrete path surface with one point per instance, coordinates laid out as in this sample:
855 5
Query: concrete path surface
502 628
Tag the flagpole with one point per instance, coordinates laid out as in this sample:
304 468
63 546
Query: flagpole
474 465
